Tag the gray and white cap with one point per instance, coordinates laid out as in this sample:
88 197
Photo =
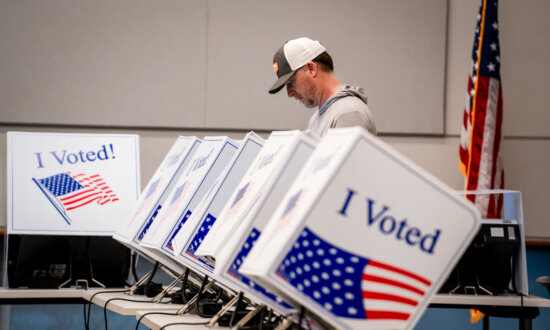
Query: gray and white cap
293 55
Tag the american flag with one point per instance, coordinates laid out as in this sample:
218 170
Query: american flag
171 160
239 200
291 205
201 234
290 210
169 243
481 135
237 262
148 224
199 238
146 202
206 223
349 285
68 192
149 196
176 199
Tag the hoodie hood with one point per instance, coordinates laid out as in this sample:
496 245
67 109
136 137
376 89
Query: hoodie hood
344 91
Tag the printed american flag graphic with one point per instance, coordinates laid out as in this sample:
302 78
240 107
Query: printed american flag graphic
146 201
200 235
237 262
150 195
175 202
348 285
291 206
177 198
69 191
171 160
480 153
239 199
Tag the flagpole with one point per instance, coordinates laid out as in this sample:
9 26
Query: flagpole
57 207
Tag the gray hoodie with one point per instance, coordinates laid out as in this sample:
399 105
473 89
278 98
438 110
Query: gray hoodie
347 107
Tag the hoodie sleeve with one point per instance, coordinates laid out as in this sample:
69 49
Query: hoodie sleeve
355 119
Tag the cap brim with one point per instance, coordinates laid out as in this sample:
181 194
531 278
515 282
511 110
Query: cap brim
280 83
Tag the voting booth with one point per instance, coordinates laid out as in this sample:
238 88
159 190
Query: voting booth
66 196
151 201
251 204
206 165
208 211
154 198
363 237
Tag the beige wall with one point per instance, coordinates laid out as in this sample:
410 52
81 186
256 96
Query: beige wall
526 145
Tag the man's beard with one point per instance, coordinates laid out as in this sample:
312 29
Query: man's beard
308 103
308 99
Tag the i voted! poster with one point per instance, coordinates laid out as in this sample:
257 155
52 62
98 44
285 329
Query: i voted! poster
70 183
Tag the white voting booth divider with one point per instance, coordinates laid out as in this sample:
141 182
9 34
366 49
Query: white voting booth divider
151 201
244 197
252 203
154 197
70 183
210 159
363 237
192 233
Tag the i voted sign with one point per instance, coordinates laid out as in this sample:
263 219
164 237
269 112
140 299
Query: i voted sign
363 236
69 183
379 216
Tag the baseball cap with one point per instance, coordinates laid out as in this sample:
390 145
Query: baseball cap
293 55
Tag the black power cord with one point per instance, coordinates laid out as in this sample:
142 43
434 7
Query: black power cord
181 323
133 262
149 289
87 317
208 306
152 313
183 297
122 299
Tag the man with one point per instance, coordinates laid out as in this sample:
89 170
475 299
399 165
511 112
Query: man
307 71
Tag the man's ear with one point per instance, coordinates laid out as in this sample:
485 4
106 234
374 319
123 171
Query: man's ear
312 68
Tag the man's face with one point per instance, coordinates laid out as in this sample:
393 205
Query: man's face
301 87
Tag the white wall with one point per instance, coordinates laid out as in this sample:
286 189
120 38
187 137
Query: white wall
525 49
205 64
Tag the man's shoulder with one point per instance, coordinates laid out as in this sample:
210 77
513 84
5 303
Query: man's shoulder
346 104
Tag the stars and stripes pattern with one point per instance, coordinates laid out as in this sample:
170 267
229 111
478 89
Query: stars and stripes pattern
172 160
201 234
239 200
75 191
239 259
69 191
481 134
150 194
176 200
292 205
148 224
169 243
348 285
